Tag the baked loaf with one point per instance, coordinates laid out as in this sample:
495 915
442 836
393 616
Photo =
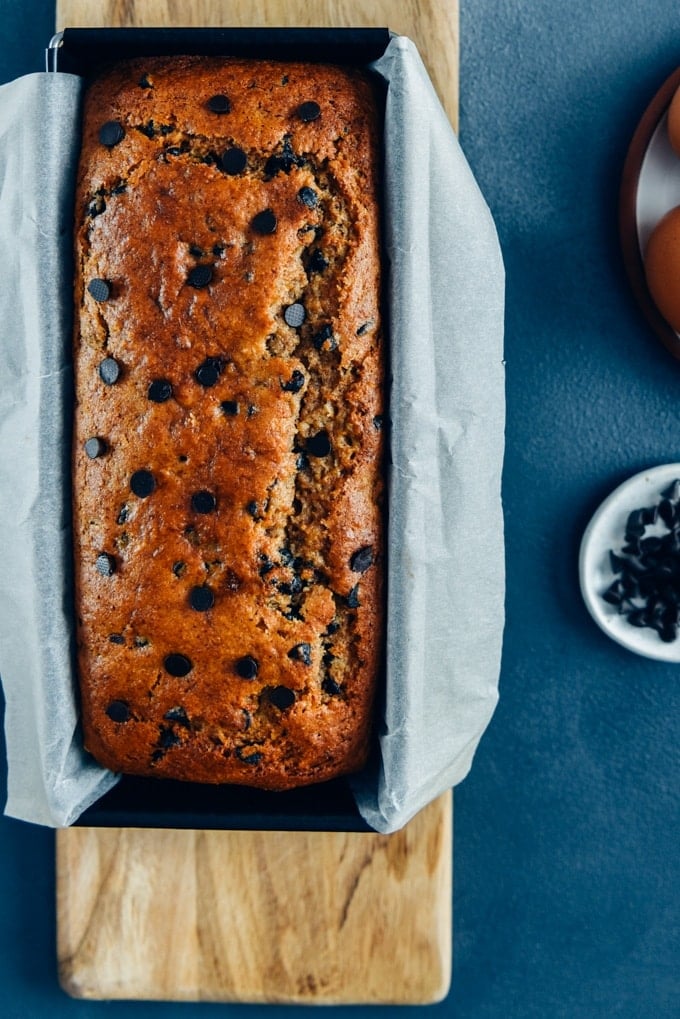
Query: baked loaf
229 404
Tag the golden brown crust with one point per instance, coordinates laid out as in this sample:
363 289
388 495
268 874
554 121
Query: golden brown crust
279 422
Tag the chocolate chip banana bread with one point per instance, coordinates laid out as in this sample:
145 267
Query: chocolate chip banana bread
229 404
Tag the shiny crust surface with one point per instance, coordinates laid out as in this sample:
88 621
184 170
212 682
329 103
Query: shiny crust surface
281 424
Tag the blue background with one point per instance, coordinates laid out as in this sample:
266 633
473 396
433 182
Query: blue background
566 842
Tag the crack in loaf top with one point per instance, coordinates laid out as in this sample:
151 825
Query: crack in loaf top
228 424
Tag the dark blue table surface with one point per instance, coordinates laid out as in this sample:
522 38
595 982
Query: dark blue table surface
567 829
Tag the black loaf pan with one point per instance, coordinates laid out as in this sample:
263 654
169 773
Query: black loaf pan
155 803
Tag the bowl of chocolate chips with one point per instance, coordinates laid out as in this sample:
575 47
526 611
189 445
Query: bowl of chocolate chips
629 564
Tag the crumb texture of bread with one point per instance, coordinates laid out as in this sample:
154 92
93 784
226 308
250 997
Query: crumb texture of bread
229 377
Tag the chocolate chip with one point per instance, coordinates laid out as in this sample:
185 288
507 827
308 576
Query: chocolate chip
294 315
666 511
308 111
116 638
233 161
353 598
275 164
179 568
96 206
638 617
168 738
209 372
118 711
283 161
160 390
105 564
178 665
378 422
672 492
148 129
109 370
616 562
111 133
364 328
324 339
266 564
252 509
281 697
333 627
318 445
99 289
308 197
178 715
229 408
254 758
142 483
145 82
264 222
200 276
203 502
331 687
286 556
301 653
295 383
362 559
246 667
219 104
635 527
201 598
95 447
317 262
650 515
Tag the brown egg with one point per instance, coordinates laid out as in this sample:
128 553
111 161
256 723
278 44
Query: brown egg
662 267
674 122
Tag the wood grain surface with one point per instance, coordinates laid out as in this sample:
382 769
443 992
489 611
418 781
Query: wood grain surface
286 917
432 24
257 916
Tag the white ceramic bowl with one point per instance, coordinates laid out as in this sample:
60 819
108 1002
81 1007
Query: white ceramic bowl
606 531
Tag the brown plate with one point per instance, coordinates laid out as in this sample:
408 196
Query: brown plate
650 186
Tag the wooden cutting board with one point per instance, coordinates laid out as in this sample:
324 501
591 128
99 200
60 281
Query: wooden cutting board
287 917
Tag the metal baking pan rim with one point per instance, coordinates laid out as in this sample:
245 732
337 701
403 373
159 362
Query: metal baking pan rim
79 50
